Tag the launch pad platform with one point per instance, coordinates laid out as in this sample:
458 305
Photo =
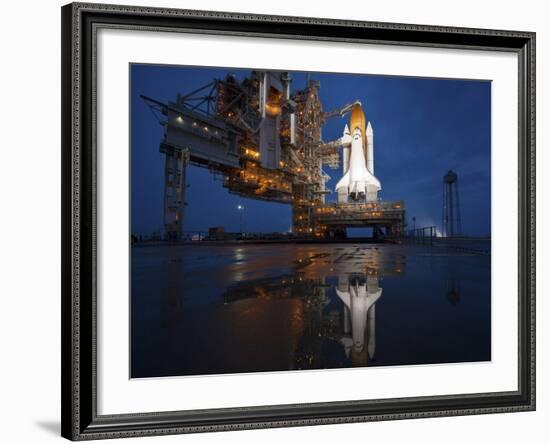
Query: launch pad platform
385 218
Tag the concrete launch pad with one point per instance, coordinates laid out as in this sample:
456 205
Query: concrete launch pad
334 218
246 308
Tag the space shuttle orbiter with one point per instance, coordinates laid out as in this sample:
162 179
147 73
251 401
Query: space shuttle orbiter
358 181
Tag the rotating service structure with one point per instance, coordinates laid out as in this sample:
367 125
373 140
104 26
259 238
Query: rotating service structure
264 140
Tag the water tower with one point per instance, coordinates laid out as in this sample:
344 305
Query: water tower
452 223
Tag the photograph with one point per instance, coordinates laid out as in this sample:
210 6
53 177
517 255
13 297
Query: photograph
300 221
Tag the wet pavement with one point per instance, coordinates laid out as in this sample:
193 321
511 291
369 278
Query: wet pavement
210 309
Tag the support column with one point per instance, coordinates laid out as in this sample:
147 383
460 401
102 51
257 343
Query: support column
175 167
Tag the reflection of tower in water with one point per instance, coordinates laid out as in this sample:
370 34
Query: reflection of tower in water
453 290
452 283
337 292
308 352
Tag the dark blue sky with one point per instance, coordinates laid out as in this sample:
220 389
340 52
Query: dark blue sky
422 128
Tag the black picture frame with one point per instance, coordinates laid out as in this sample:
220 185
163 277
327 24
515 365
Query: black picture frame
79 172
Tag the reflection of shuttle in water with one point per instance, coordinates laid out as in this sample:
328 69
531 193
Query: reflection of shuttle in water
358 181
359 295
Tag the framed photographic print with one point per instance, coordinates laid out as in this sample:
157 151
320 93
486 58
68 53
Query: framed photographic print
239 253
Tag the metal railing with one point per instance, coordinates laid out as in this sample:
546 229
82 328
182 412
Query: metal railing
423 236
365 206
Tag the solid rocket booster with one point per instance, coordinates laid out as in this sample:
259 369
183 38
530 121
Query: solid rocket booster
358 180
345 151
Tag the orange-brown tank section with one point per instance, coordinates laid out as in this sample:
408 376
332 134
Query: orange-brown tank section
357 119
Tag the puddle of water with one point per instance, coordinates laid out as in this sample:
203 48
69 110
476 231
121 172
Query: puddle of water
249 308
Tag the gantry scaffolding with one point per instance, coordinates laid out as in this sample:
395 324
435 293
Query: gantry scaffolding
265 140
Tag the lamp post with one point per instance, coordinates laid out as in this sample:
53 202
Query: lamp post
241 211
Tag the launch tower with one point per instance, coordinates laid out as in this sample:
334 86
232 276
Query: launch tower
265 141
